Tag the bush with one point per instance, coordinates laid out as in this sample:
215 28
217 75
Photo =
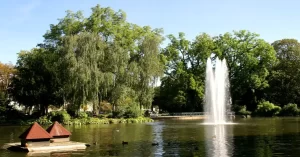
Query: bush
89 113
133 111
60 116
82 115
118 114
243 111
44 120
147 113
93 120
265 108
289 110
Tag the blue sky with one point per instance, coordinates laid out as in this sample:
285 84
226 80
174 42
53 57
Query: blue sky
23 22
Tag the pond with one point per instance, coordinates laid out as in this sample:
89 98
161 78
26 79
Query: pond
248 137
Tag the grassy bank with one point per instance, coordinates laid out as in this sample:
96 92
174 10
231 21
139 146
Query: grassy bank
92 120
77 121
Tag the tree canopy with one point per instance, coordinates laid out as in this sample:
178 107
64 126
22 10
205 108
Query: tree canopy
91 59
104 58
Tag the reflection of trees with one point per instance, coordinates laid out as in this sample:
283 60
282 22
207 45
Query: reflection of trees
109 139
11 134
267 137
263 145
182 138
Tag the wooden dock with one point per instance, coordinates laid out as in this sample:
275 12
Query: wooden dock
59 146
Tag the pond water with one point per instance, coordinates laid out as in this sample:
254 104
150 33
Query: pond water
248 137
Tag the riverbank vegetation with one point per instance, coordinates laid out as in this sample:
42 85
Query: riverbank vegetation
113 65
64 118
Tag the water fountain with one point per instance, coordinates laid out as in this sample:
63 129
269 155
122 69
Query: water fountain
217 97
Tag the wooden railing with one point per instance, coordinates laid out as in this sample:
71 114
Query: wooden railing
185 114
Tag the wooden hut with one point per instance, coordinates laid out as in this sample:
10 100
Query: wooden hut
35 135
59 133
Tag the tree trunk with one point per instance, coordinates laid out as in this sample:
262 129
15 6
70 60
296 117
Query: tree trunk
95 108
46 109
42 110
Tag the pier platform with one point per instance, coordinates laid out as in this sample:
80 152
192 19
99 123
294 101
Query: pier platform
59 146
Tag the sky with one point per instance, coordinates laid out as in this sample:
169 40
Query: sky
24 22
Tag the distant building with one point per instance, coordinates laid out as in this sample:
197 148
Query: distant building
59 133
35 135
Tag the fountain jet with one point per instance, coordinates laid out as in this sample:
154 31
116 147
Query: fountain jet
217 97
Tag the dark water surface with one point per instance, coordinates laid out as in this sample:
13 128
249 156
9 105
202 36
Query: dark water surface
255 137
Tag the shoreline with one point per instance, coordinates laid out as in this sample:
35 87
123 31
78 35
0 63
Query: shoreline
77 121
178 117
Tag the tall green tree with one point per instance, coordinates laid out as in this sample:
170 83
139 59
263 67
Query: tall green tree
182 87
148 59
36 82
285 77
130 55
7 71
82 58
249 59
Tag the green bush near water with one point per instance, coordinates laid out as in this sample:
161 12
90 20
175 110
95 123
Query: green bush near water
289 110
83 115
133 111
83 119
60 116
265 108
92 120
242 110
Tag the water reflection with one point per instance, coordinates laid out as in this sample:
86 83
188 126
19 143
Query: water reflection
55 154
217 140
158 138
273 137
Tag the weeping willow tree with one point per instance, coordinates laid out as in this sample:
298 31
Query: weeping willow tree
82 59
149 67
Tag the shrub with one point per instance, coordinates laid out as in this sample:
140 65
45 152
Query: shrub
243 111
265 108
113 121
289 110
60 116
92 120
109 115
44 120
147 113
89 113
82 115
97 121
118 114
133 111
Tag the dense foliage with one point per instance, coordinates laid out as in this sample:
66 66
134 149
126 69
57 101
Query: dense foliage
290 110
114 65
265 108
90 60
249 59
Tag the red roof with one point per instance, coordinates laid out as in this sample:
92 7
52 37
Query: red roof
58 130
35 131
